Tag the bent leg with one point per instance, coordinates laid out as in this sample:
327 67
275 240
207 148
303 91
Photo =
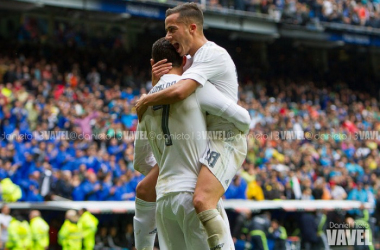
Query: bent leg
193 230
220 165
144 221
207 194
146 189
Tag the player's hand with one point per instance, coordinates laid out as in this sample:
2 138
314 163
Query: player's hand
141 107
159 69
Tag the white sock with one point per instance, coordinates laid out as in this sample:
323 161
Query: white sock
223 214
144 224
219 237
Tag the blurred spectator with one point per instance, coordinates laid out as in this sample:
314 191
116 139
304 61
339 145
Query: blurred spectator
278 234
241 229
62 186
70 235
10 192
113 239
39 230
5 220
309 231
89 189
237 189
306 194
337 192
19 234
127 236
259 230
88 223
101 238
254 191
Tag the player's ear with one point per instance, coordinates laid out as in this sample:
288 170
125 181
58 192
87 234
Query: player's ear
193 28
184 60
151 62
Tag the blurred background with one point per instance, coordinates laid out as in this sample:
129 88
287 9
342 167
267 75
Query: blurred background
77 67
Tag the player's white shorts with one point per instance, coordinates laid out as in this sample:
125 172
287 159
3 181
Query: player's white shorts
178 226
224 157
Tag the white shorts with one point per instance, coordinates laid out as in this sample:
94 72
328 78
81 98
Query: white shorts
225 157
178 226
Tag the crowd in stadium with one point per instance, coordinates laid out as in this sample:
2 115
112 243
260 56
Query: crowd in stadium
93 159
305 142
365 13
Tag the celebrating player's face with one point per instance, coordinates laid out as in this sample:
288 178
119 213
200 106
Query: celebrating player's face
178 34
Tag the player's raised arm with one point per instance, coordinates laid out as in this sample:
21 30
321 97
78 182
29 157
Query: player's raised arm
220 105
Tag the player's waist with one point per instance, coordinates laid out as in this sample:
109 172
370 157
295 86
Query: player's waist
171 185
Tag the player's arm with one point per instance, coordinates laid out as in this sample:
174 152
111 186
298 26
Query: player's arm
220 105
175 93
203 68
143 155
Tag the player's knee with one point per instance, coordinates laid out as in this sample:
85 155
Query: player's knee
145 192
140 190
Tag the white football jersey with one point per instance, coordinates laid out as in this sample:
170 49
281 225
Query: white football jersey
176 134
213 63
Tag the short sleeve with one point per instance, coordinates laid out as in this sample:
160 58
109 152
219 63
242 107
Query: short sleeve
206 66
143 155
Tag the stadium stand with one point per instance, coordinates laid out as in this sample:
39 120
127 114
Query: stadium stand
364 13
67 117
84 102
321 125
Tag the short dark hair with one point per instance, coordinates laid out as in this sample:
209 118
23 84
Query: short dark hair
163 49
188 13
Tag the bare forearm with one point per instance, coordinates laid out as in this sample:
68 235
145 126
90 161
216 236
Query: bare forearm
161 98
171 95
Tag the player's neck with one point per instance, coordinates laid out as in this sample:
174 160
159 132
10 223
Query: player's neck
197 44
176 71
